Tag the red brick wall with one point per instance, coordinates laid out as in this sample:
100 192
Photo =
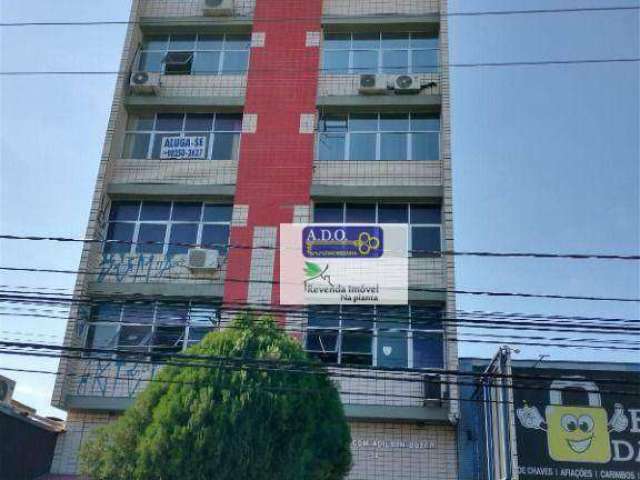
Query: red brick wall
276 162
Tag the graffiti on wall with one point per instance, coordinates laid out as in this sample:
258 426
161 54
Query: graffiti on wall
112 378
141 267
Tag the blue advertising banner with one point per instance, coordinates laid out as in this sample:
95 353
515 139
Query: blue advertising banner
329 241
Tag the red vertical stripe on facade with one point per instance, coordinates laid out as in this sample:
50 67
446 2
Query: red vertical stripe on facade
276 162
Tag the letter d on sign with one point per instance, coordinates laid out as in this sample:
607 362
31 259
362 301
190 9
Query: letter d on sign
617 453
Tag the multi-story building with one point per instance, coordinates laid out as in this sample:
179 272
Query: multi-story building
293 111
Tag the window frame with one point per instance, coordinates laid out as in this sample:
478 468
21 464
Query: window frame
377 219
150 348
168 223
195 51
409 134
380 49
375 332
153 133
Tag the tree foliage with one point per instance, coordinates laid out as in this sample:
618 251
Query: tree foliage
229 423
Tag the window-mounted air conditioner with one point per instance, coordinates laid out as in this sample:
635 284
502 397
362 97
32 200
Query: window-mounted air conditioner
217 8
407 84
371 84
145 82
6 389
202 259
432 387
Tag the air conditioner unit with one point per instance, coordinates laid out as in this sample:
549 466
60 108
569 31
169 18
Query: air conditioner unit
217 8
6 389
406 84
145 82
371 84
203 259
432 389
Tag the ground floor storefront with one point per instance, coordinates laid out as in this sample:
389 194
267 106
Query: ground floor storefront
381 450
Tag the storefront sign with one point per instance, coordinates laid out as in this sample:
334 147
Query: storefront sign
183 148
392 444
579 426
343 264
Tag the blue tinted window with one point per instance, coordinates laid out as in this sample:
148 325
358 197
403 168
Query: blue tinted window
124 211
424 61
186 211
335 61
199 122
363 146
427 350
210 42
425 240
365 61
228 122
425 145
119 232
393 146
328 213
392 350
395 61
215 237
226 146
425 213
217 212
155 211
396 122
237 42
337 41
169 122
331 146
235 62
390 213
206 63
361 213
182 42
366 40
395 40
138 312
185 234
151 238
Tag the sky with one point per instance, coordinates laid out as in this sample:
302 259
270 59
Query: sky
546 158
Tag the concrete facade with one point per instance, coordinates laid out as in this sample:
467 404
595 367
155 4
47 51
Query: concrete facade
276 178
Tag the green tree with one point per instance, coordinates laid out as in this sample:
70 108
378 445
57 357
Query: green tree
235 421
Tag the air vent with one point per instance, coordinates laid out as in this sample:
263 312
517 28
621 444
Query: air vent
372 84
407 84
145 82
6 389
217 8
203 259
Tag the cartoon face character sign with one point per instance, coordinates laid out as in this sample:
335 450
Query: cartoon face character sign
575 433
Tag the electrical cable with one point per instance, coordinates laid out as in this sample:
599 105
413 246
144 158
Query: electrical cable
531 63
295 367
325 18
570 256
127 297
413 289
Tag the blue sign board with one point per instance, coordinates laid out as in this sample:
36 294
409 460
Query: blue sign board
343 241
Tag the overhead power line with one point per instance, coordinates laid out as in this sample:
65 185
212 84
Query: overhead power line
568 324
413 289
539 11
125 296
571 256
288 366
297 71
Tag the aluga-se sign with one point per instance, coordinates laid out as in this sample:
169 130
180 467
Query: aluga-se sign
183 148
